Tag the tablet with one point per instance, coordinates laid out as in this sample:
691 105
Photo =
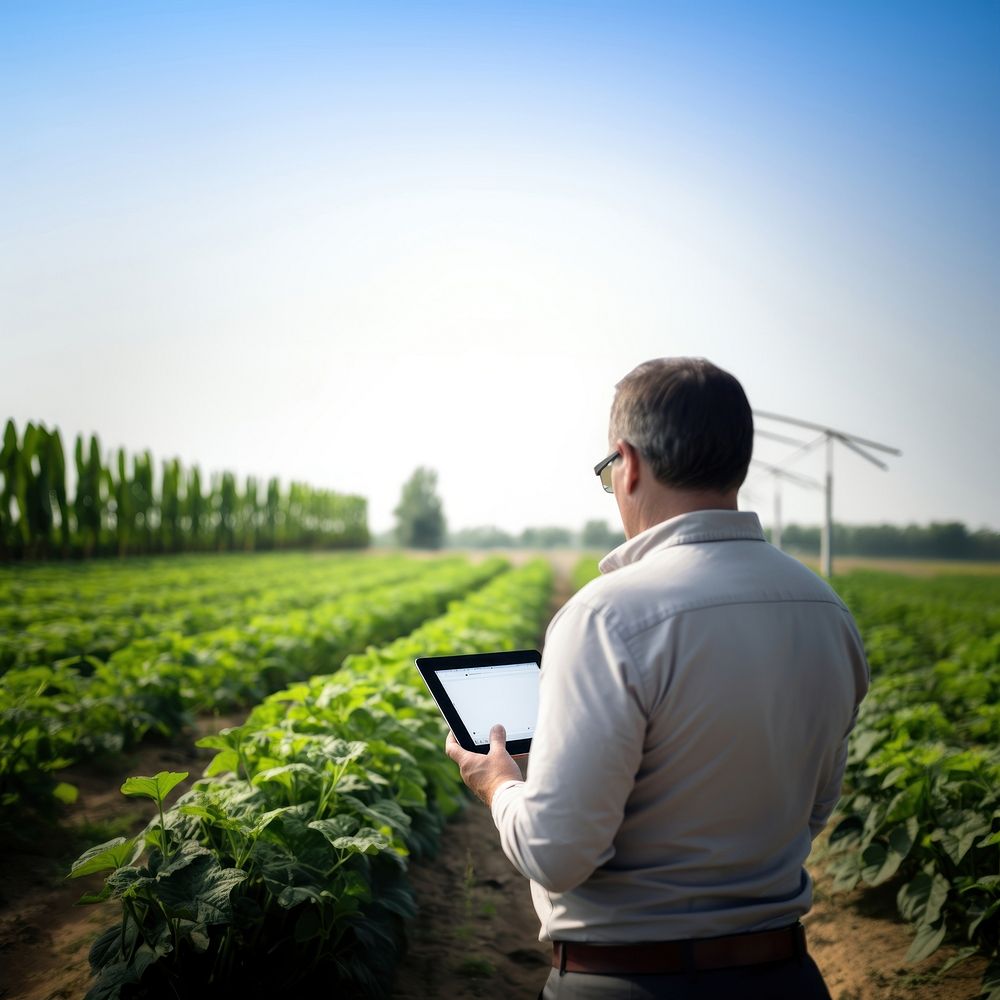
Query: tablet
476 691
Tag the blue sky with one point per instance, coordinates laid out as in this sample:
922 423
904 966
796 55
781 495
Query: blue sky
333 241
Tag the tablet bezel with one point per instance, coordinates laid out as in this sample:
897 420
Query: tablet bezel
429 667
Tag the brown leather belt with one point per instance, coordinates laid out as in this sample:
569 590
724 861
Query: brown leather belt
695 955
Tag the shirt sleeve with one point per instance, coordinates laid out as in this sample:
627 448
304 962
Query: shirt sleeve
828 793
559 825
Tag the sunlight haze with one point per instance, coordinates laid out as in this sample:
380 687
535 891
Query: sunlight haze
333 243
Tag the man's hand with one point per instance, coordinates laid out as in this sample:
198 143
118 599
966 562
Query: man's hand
484 773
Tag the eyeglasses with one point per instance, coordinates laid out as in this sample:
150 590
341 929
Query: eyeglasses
603 469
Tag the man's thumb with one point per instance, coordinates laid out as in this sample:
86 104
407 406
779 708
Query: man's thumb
498 737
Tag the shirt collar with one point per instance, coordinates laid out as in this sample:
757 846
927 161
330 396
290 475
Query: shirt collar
695 526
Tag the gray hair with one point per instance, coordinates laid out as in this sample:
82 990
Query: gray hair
689 419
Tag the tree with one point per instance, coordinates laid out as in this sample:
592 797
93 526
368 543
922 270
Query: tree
419 516
487 536
548 537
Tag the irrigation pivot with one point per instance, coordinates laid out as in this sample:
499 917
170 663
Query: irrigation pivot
828 435
778 475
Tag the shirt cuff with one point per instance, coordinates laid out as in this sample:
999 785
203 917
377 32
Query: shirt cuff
501 795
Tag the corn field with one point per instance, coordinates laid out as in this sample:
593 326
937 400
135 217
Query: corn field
120 507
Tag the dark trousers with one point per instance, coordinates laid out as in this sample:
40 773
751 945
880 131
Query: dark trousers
796 979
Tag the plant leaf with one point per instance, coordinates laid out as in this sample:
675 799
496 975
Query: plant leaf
956 959
975 920
336 827
293 895
111 854
104 951
958 839
926 942
284 774
126 880
66 793
921 899
111 980
882 861
366 841
185 855
95 897
156 788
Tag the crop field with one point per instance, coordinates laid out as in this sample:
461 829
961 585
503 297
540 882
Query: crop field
286 863
299 832
921 805
95 661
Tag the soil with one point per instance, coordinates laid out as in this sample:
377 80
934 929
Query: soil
476 934
860 945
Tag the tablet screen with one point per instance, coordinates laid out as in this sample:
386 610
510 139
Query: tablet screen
475 691
485 695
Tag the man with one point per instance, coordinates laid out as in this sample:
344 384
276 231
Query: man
694 711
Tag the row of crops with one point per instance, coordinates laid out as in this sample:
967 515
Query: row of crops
921 803
97 660
123 506
285 865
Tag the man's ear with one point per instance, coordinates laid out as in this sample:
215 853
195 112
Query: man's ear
631 466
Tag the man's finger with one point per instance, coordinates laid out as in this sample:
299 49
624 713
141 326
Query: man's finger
451 745
498 738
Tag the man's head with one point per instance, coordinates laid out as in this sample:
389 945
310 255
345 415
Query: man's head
686 423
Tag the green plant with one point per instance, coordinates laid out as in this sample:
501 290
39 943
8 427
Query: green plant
117 511
302 826
584 571
82 705
171 905
921 802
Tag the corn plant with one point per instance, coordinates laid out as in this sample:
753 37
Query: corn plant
119 509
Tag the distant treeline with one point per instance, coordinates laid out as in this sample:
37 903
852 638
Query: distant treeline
938 540
946 540
118 508
596 535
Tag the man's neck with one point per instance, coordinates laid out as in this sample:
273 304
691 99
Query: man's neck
667 502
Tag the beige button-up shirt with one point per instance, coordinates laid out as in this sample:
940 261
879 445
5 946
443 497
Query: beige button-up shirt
692 732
